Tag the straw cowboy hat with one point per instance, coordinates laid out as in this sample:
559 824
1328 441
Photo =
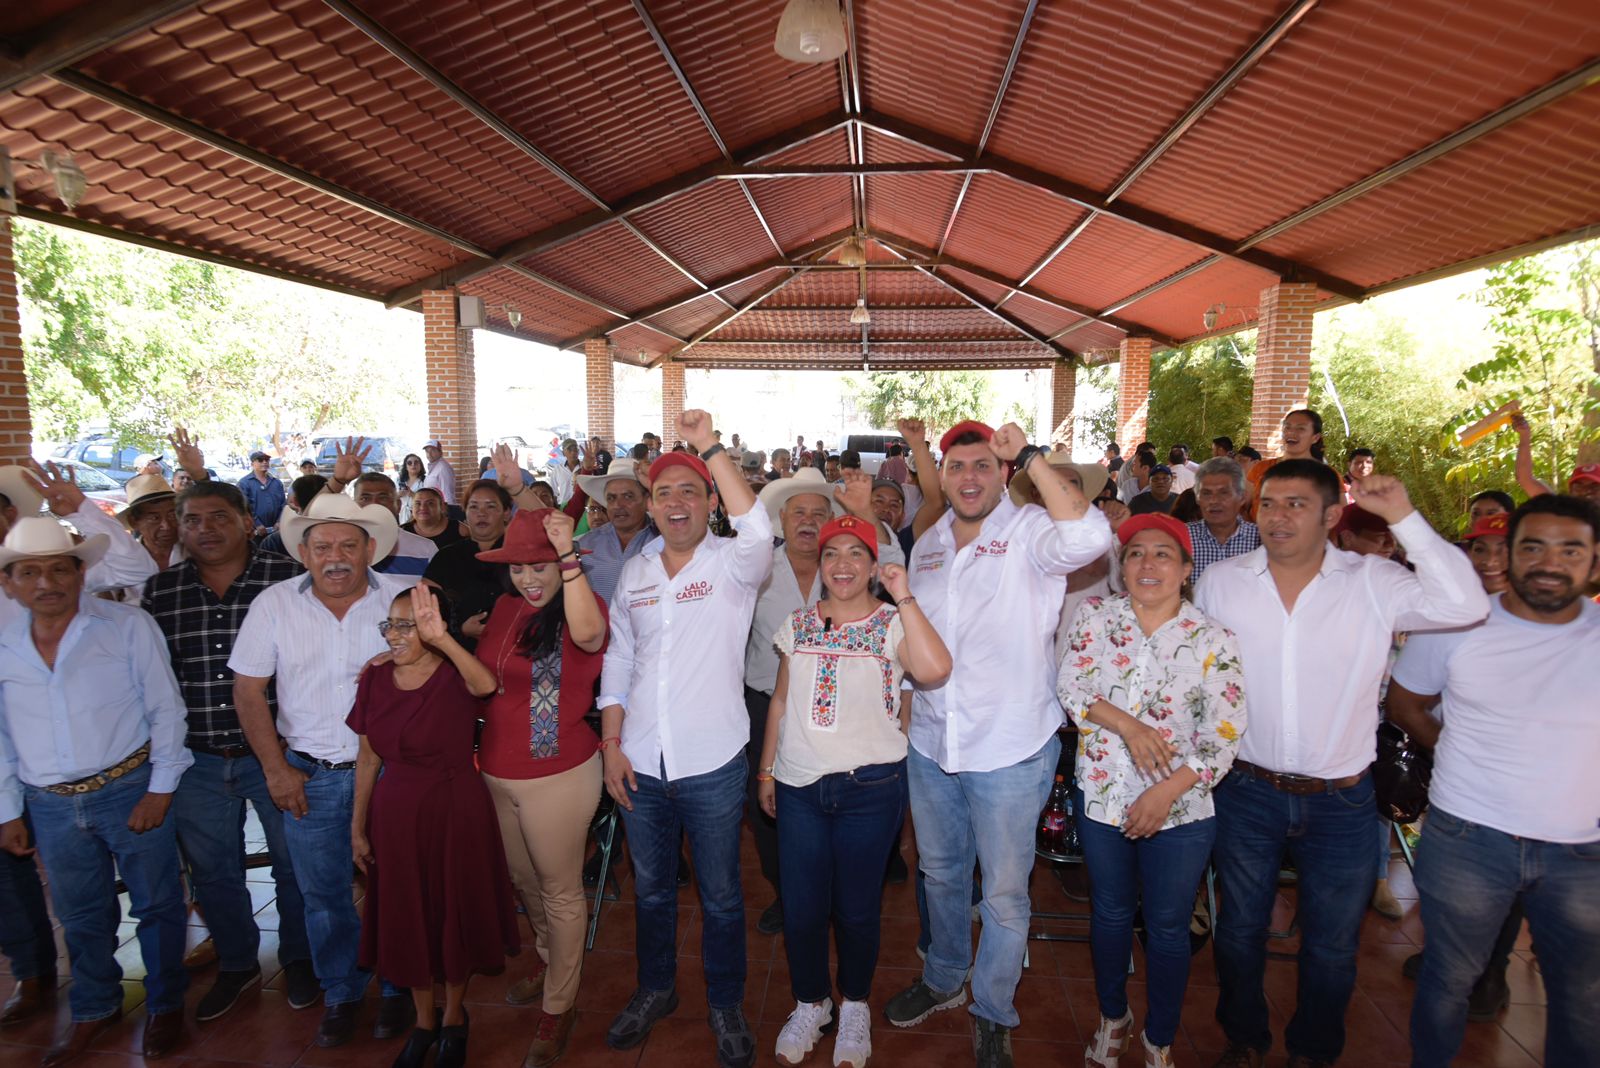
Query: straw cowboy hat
774 495
145 489
1093 476
18 484
595 485
379 523
34 536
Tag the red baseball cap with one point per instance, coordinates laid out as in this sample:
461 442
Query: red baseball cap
849 526
966 426
1156 521
680 459
1585 473
1490 526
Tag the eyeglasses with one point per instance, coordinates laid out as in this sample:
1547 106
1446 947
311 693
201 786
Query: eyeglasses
404 626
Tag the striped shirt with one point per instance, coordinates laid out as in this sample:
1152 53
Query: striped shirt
602 565
1207 552
200 629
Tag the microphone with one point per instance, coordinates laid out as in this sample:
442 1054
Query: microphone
827 624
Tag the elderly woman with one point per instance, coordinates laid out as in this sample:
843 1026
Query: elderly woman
1157 692
543 644
438 907
833 764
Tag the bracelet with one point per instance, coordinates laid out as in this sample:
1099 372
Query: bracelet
610 741
570 552
570 565
705 457
1025 456
907 599
763 777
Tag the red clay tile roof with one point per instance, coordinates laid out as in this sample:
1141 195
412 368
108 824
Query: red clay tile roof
1037 180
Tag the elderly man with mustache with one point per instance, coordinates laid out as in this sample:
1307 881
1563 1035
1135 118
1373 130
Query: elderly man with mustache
313 634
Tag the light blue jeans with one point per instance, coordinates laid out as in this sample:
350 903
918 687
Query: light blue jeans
963 818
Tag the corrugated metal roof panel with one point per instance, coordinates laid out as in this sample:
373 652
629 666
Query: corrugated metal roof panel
547 315
1178 310
1007 227
613 265
1112 259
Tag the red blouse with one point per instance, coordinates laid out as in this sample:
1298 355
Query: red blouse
533 723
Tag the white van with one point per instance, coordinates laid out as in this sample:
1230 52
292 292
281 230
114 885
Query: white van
873 445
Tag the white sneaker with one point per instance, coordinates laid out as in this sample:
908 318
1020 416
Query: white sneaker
1155 1056
853 1044
1110 1039
802 1030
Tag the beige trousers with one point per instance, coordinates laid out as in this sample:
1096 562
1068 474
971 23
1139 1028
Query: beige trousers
544 824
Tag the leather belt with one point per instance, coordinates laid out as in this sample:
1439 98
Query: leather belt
229 752
102 778
326 765
1296 784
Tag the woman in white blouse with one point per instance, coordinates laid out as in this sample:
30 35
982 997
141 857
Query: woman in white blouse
1157 692
833 776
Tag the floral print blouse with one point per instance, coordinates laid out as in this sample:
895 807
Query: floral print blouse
1185 680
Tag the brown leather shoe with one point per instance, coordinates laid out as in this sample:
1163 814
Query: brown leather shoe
76 1038
1239 1056
550 1039
528 990
162 1033
26 1000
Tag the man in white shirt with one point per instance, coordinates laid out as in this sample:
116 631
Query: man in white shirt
441 476
990 575
799 506
674 730
314 634
1314 625
1515 800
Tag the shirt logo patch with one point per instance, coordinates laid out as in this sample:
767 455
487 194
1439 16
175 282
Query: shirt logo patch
642 602
695 591
931 562
995 547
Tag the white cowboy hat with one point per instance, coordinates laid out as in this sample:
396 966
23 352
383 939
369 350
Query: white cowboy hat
379 523
774 495
20 488
595 485
37 535
1093 476
145 489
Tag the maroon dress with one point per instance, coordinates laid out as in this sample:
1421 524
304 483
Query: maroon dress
439 906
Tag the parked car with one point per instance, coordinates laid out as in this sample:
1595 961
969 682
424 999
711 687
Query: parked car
107 494
102 453
873 446
384 454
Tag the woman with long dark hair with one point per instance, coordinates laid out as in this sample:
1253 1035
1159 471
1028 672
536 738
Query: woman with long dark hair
1302 440
408 480
543 643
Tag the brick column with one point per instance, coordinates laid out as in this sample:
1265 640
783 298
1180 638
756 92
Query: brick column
1133 393
672 402
1063 395
1283 361
16 424
600 387
452 384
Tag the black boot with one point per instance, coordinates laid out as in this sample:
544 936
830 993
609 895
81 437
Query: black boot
415 1051
453 1045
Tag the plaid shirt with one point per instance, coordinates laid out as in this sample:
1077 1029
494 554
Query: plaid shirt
200 630
1208 552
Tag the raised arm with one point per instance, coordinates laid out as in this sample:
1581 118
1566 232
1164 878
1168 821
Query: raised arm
695 427
922 653
433 630
186 451
1531 485
933 502
1444 591
586 621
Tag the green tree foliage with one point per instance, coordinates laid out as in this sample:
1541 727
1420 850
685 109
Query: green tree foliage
939 398
1097 425
139 340
1199 392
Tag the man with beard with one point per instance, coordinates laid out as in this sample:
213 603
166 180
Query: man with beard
314 634
1515 799
800 506
991 576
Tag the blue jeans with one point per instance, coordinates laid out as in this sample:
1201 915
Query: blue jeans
209 813
324 868
1162 873
834 838
1330 837
710 809
80 838
1468 876
986 817
26 937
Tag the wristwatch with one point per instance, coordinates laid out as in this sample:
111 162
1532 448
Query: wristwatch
706 456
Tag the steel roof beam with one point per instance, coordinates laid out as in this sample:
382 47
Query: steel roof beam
1089 198
1566 85
76 34
722 321
1152 288
641 200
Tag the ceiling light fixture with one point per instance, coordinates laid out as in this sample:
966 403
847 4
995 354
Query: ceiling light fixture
853 253
513 316
1210 315
859 315
811 31
70 182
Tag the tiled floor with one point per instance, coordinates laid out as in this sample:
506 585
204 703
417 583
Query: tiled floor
1056 1001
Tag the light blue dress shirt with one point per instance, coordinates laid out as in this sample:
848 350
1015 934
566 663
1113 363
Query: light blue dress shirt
111 691
603 564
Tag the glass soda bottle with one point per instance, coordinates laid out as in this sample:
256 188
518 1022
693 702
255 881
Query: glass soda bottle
1056 818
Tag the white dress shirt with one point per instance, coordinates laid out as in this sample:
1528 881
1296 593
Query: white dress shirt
111 691
442 477
1313 674
562 480
316 657
676 659
780 598
125 564
996 603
